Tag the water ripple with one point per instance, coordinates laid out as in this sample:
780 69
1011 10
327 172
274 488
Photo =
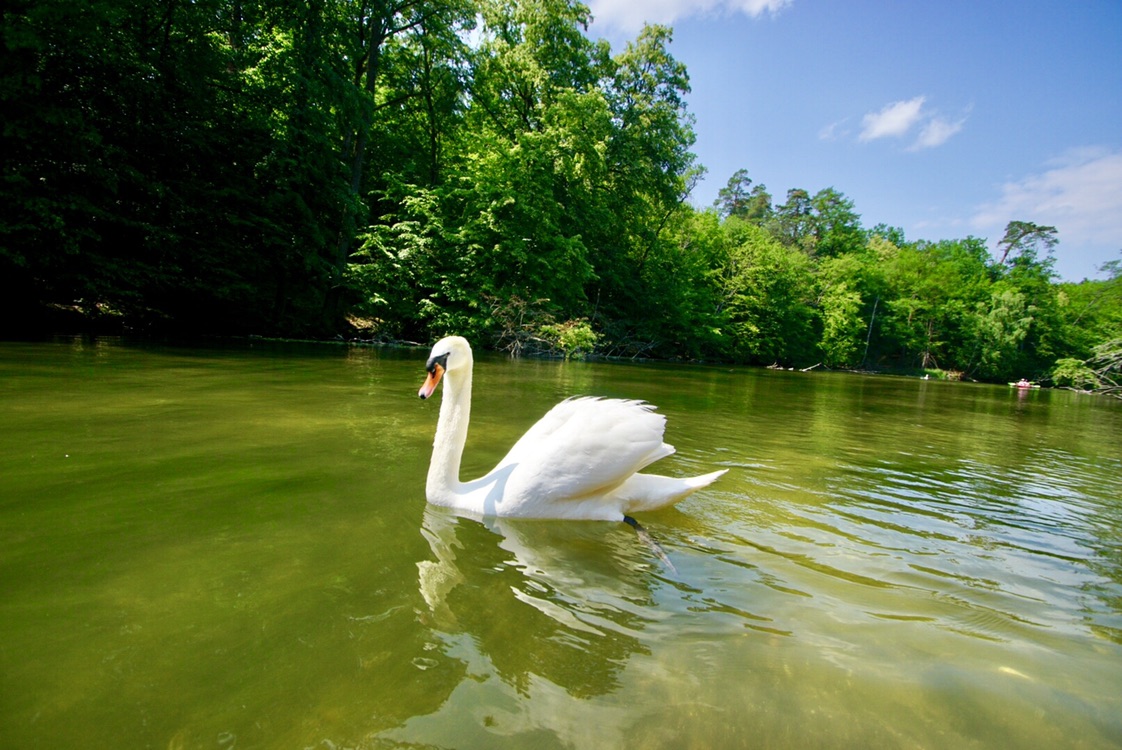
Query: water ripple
968 546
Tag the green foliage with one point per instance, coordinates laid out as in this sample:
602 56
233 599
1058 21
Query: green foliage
526 327
283 168
571 338
769 292
793 222
567 186
1075 373
842 326
932 290
850 289
739 198
836 227
505 220
1025 240
1090 312
1102 372
1000 326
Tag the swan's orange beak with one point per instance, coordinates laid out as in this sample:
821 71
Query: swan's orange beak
436 372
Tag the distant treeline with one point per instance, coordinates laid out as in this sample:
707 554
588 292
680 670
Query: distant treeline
406 168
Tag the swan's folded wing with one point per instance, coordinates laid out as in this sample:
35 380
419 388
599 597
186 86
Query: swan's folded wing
542 431
584 447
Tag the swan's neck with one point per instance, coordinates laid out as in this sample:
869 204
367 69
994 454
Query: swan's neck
451 434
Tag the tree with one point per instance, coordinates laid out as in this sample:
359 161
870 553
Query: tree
849 291
732 199
792 223
840 308
999 328
650 173
1031 273
768 292
283 167
373 30
895 235
835 225
932 289
684 316
741 199
506 222
759 209
1026 240
134 153
423 94
1101 373
564 194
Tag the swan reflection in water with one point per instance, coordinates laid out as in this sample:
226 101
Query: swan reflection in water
524 588
542 613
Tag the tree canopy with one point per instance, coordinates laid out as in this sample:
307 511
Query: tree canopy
405 169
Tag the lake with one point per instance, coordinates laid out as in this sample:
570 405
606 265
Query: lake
229 547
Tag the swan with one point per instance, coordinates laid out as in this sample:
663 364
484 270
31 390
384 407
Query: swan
580 461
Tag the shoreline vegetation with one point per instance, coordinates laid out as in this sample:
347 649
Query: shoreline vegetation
330 171
542 353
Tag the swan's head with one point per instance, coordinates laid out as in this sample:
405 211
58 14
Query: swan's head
449 354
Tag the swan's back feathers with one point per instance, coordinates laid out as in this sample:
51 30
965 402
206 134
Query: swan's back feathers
584 447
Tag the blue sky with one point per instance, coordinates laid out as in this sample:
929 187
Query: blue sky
946 119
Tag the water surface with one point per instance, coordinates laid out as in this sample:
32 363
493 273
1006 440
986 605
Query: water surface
229 547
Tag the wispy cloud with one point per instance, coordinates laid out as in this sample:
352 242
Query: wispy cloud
1080 195
936 132
835 131
629 15
893 121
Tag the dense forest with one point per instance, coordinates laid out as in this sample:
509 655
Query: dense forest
400 169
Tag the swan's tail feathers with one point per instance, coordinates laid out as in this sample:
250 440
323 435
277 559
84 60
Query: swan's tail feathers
696 483
644 492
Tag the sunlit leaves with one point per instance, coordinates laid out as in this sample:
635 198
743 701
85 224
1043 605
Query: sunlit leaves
769 294
999 326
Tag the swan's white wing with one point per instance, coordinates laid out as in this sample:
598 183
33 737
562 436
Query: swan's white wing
544 428
583 447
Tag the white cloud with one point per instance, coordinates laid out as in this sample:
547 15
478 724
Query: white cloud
936 132
894 120
630 15
1081 195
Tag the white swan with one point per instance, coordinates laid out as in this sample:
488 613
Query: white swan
580 461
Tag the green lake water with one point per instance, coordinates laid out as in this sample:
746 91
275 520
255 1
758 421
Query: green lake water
229 547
